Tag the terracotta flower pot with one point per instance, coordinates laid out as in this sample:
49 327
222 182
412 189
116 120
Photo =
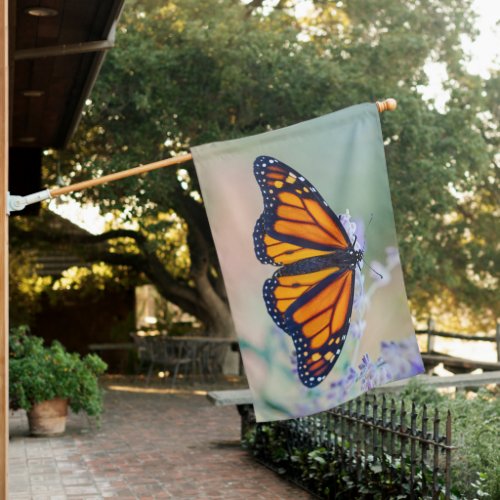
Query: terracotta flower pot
48 417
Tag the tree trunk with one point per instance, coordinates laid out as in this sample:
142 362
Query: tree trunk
221 322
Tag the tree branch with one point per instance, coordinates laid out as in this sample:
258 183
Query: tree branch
170 288
118 233
134 261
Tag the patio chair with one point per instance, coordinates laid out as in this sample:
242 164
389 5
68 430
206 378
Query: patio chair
174 356
157 351
143 350
213 359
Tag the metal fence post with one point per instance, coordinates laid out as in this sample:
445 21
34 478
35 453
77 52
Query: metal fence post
448 457
435 468
423 449
413 444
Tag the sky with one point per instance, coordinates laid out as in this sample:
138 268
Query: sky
484 52
486 48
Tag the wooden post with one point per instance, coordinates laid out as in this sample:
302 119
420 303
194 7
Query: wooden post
430 336
498 341
4 247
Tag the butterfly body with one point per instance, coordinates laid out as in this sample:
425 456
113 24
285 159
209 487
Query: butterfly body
310 296
345 259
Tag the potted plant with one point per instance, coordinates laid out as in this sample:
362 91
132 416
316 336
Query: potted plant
45 380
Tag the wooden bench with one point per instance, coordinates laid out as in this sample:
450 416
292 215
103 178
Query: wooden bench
108 350
459 381
242 399
230 397
458 365
111 346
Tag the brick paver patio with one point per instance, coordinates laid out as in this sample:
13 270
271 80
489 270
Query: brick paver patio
150 445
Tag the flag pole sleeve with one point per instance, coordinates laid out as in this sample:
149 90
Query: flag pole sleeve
387 105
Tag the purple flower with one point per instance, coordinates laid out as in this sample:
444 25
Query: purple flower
341 388
403 357
373 374
359 288
357 329
383 373
355 230
392 256
349 226
367 373
303 409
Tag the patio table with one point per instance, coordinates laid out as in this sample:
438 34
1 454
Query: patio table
203 351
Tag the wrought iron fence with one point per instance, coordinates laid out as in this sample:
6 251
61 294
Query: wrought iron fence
369 440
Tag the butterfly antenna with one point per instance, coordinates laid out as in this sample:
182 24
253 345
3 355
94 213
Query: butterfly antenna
369 222
370 267
373 270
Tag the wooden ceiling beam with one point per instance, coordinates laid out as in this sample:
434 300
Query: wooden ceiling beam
64 50
49 90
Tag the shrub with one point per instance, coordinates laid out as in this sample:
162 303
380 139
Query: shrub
38 373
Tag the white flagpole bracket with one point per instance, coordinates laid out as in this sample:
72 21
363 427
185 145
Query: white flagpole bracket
16 203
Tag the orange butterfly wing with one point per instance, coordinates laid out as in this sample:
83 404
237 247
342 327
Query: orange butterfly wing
311 296
296 223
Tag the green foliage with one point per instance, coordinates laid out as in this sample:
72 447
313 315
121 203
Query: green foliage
25 286
190 72
475 465
421 394
475 434
38 373
29 291
334 474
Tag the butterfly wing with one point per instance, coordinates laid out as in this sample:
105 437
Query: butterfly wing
296 223
312 305
318 323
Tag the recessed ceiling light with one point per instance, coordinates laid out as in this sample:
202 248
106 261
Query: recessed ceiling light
41 11
27 139
33 93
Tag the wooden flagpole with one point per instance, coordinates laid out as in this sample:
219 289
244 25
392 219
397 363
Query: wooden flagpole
121 175
387 105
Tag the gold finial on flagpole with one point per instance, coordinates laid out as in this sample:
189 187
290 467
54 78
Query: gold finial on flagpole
386 105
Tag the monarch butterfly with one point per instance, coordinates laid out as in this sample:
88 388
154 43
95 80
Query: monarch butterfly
310 296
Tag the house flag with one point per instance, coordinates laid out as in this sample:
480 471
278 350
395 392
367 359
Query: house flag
304 229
